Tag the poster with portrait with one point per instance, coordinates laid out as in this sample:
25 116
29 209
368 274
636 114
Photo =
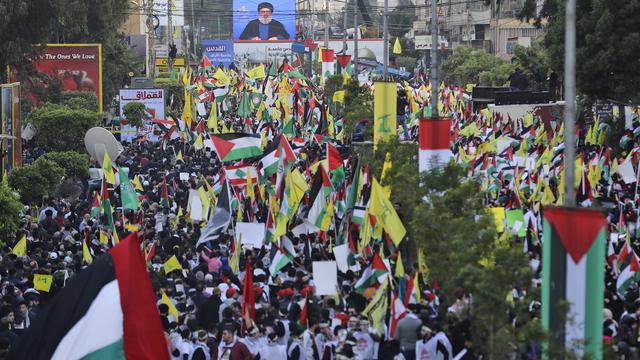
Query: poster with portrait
272 20
77 66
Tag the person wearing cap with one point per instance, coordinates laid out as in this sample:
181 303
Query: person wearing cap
231 297
264 27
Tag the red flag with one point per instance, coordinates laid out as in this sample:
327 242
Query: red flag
248 298
333 157
303 313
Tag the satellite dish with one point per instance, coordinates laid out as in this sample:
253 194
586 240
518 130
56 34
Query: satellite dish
99 140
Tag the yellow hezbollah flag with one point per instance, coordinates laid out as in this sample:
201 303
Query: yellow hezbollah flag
173 311
212 121
386 167
42 282
376 311
382 208
221 77
397 48
257 72
107 169
137 184
399 266
86 254
171 265
384 111
338 96
20 249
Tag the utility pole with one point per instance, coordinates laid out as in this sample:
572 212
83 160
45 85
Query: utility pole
356 30
169 33
434 59
344 27
385 27
570 103
151 64
193 33
326 24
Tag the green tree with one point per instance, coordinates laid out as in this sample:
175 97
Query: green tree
607 38
35 181
61 128
462 251
10 208
133 113
24 23
533 61
79 100
467 66
358 106
75 164
173 94
98 21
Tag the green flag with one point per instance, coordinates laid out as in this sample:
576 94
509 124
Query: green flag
127 193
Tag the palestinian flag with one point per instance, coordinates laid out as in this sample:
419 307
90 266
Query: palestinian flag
272 155
371 273
221 218
280 260
106 205
237 175
434 138
236 146
107 311
336 167
629 275
319 209
573 273
95 206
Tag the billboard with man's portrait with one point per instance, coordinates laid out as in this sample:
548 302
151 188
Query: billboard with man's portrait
264 20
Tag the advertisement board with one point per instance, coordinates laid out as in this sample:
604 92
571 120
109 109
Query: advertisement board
218 51
77 66
265 51
153 100
10 145
275 20
160 10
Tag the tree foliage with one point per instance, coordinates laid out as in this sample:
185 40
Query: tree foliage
533 61
79 100
133 113
462 251
607 42
60 128
37 180
467 66
358 106
24 23
10 208
173 94
75 164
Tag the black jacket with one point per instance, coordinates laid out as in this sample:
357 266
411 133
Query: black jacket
276 29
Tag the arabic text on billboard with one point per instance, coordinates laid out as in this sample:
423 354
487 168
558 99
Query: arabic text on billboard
77 66
153 100
218 51
264 20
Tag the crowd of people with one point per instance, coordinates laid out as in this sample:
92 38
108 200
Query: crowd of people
200 268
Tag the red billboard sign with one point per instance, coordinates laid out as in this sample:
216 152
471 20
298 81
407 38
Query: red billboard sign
77 66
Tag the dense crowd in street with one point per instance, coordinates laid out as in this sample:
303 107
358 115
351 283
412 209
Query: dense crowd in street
221 297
